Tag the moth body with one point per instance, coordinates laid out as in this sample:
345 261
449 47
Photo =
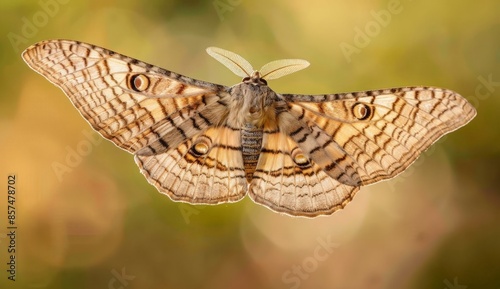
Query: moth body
253 106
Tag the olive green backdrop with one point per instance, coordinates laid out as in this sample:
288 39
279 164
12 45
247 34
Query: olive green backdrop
87 218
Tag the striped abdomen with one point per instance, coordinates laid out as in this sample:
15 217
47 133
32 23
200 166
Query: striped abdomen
251 142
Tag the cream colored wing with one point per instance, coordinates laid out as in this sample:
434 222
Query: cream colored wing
140 107
173 124
207 169
285 180
364 137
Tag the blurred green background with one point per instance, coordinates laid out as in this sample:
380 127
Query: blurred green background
99 224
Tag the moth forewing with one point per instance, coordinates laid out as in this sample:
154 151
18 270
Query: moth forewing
237 64
278 68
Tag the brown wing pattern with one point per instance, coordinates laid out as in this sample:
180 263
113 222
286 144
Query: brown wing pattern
378 133
285 180
161 116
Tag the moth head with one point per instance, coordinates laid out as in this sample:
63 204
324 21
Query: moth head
256 79
241 67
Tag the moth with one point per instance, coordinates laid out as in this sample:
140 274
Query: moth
205 143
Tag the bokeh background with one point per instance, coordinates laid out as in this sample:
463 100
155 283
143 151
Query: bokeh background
87 218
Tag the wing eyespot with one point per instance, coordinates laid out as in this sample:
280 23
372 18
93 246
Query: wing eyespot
361 111
199 149
300 159
139 82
